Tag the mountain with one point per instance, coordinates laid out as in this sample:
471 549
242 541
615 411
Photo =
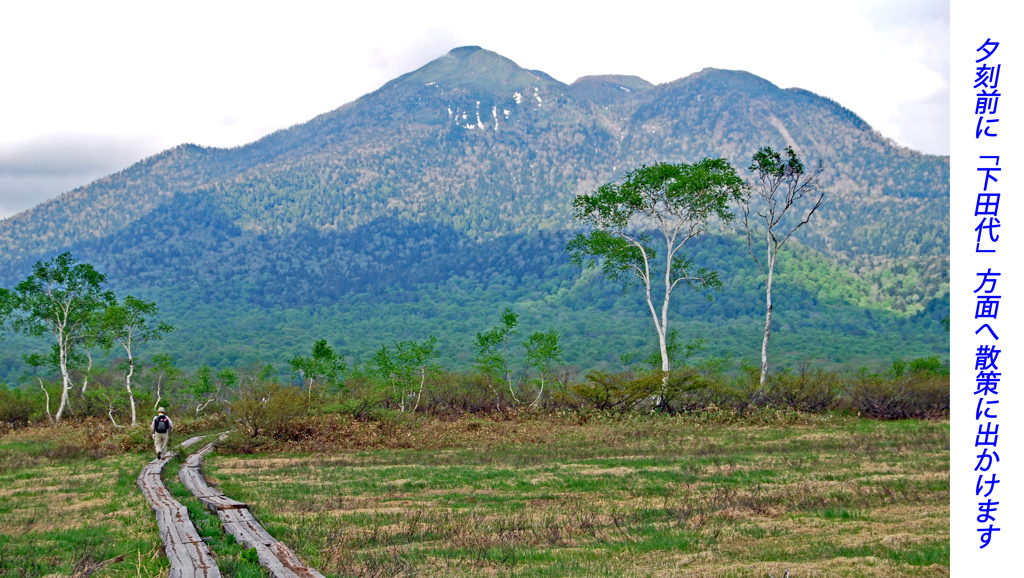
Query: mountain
464 171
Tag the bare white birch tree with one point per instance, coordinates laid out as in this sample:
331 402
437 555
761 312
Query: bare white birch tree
780 184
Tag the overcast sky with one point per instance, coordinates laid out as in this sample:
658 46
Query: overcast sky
88 88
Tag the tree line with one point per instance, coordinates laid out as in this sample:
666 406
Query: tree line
67 301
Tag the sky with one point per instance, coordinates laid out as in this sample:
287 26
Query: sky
89 88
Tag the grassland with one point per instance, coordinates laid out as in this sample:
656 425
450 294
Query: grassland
69 506
614 496
572 495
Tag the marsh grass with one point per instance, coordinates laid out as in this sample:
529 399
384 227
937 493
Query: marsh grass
69 504
66 515
608 496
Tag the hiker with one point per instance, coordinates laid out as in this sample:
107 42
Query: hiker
161 430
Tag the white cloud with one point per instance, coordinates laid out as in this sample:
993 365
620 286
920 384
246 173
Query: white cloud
40 168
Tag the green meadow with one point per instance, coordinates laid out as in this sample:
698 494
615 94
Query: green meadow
706 494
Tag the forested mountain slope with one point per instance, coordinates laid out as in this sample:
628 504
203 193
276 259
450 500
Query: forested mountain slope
458 164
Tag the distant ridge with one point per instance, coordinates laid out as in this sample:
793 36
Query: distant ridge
472 150
608 88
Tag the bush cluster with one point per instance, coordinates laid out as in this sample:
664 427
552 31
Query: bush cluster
262 409
921 392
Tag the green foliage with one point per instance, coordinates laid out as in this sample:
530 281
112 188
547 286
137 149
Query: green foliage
268 409
324 368
64 299
404 366
617 391
677 200
60 297
228 378
680 199
929 366
7 304
17 407
542 353
202 385
492 347
131 324
921 366
768 164
542 350
678 352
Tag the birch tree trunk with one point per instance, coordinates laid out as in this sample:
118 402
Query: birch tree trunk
666 364
767 327
85 380
128 386
47 394
423 380
62 347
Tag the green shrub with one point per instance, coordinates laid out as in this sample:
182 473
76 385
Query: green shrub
363 395
923 365
18 408
929 366
269 409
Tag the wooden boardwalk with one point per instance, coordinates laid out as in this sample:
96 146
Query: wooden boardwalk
189 555
239 521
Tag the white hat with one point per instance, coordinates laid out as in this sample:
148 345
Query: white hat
160 410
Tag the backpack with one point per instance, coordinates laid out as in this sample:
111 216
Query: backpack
160 424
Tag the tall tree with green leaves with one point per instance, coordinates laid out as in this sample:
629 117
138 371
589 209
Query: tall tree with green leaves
408 362
163 365
130 323
676 202
62 298
492 350
324 367
203 388
780 185
542 351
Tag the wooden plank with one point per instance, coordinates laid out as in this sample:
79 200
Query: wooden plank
191 475
189 556
276 557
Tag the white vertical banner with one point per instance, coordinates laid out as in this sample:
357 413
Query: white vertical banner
986 289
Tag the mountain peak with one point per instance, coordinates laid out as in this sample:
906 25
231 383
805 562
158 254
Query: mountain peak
473 67
467 51
724 79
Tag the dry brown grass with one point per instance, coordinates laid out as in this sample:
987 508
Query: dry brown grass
610 497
